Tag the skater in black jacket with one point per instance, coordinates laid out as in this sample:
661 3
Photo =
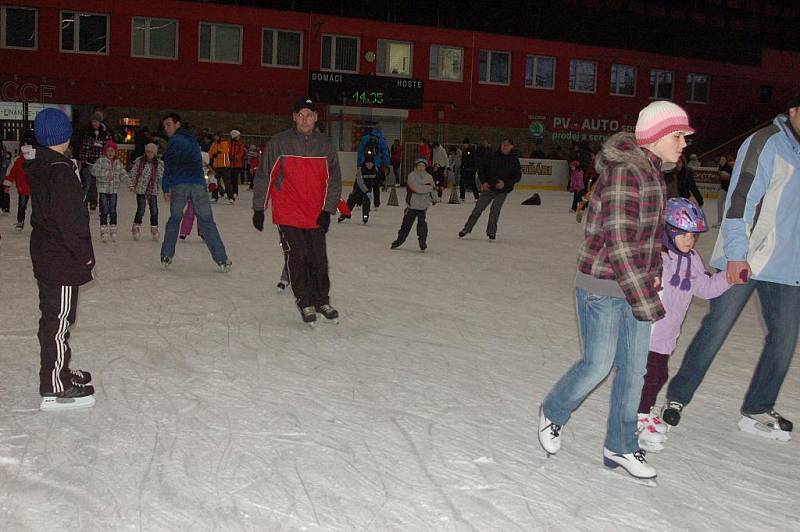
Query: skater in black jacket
62 257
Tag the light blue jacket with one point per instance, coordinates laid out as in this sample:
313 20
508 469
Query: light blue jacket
762 210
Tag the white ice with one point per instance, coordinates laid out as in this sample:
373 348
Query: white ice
218 410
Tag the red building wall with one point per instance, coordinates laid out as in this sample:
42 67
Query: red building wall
117 79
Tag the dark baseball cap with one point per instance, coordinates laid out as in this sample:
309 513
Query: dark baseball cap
794 102
507 141
304 103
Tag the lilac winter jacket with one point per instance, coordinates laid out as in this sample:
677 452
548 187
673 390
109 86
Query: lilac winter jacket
664 333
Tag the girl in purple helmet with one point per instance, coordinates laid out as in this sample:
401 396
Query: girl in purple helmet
683 276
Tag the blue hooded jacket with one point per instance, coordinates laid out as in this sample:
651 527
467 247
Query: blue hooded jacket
762 209
183 164
382 156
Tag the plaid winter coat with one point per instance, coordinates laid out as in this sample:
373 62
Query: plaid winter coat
109 174
624 224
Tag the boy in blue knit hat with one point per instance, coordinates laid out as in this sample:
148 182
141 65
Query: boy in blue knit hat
62 257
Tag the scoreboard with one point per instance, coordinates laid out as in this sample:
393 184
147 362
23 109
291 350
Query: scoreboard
337 88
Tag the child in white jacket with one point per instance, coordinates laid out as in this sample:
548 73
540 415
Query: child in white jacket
109 173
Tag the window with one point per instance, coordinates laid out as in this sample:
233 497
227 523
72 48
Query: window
661 84
84 32
154 37
540 72
18 27
281 48
339 53
623 80
494 67
698 88
394 58
220 43
447 63
582 76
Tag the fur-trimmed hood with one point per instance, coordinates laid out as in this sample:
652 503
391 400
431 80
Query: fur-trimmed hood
621 148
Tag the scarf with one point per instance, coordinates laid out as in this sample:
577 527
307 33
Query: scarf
151 185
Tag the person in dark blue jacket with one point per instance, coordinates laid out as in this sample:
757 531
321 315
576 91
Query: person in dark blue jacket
184 180
373 147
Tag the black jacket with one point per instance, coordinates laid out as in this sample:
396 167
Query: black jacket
61 243
499 167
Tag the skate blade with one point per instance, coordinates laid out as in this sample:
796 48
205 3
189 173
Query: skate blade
50 404
751 426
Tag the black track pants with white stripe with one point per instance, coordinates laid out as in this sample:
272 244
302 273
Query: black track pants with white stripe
59 305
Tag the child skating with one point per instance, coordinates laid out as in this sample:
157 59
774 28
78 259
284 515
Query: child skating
419 197
363 191
683 276
17 176
62 257
146 174
109 172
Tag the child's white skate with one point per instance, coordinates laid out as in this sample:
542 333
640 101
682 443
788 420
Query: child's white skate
154 233
135 231
113 231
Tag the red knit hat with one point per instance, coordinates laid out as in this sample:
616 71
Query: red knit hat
659 119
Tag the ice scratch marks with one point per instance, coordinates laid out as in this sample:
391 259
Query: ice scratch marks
308 495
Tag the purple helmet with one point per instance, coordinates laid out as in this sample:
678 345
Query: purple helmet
685 216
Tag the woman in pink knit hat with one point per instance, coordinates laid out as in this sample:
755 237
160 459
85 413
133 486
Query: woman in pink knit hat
616 285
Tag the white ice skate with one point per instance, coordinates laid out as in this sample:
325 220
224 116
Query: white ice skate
549 434
104 233
52 404
225 266
634 464
768 425
650 439
135 230
154 233
113 231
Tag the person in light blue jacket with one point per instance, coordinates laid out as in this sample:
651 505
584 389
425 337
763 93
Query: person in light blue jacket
759 248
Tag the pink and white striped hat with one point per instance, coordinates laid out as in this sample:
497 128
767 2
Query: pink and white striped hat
659 119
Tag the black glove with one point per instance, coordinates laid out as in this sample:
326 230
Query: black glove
258 220
324 221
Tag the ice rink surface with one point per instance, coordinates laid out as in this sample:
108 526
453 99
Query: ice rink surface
218 410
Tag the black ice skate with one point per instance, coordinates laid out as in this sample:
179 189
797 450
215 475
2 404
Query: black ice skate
309 315
281 286
342 218
396 244
80 377
73 397
462 233
423 246
365 218
330 313
671 415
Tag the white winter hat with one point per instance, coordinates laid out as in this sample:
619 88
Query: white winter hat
153 148
659 119
235 133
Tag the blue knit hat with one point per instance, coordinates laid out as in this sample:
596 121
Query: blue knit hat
52 127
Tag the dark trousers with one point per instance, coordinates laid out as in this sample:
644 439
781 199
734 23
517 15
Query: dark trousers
408 220
5 201
89 186
467 183
496 199
225 178
143 201
58 305
398 179
359 197
307 264
237 175
576 198
108 208
655 379
22 208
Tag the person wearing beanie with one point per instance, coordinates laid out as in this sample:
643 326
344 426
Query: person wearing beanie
62 257
91 149
238 154
616 285
109 172
365 184
419 197
758 248
146 174
683 276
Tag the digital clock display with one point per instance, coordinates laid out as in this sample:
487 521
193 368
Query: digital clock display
371 91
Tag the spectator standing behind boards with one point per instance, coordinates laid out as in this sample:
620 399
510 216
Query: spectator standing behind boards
397 160
687 187
238 154
725 169
220 154
146 174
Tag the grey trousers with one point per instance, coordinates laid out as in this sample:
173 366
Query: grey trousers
496 199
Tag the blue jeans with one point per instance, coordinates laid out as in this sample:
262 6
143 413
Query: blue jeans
780 307
143 201
89 186
610 338
180 194
108 208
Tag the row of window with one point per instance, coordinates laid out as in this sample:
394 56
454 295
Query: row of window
158 38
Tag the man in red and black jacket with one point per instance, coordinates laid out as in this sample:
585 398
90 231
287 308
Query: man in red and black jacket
299 172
